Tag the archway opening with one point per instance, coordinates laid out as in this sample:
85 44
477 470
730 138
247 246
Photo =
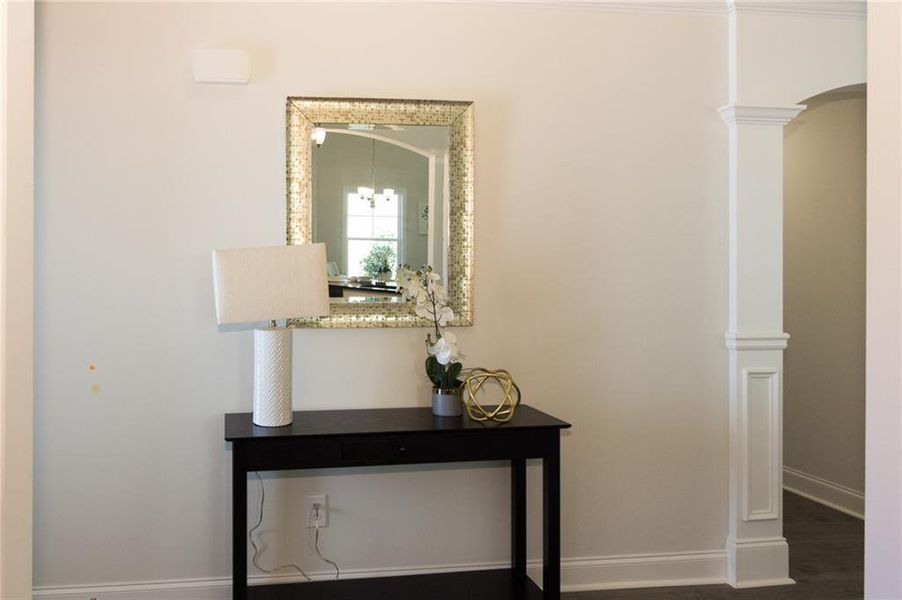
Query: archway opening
824 210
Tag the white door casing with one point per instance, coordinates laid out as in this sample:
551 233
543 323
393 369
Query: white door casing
883 453
16 295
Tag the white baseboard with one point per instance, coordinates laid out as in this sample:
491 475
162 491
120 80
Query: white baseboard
834 495
577 574
639 571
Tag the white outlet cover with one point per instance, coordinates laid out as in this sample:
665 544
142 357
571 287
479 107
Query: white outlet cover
323 501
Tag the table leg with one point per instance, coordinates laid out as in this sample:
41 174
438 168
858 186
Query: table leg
239 526
551 475
518 518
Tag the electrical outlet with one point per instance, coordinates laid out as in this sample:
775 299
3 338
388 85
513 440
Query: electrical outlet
318 511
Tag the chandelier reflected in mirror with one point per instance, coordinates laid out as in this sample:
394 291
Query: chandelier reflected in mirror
369 194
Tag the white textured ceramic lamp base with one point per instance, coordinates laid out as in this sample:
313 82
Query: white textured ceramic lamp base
272 377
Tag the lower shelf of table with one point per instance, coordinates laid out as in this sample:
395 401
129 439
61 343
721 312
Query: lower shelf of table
472 585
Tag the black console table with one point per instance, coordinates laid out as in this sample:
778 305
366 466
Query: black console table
395 436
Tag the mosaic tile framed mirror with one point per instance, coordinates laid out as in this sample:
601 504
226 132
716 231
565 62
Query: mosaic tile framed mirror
382 183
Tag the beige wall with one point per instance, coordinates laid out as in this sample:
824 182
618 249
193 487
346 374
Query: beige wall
824 289
16 299
600 269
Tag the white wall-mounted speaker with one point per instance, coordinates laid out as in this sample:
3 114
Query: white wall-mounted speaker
221 66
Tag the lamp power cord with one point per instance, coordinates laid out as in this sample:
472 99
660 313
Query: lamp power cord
255 559
316 542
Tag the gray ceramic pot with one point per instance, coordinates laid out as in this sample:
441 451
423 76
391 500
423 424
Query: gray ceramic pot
446 403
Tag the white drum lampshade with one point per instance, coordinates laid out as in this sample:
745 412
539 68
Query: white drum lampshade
265 284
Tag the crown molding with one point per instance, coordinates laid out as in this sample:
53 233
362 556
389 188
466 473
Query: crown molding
738 114
835 9
840 9
675 7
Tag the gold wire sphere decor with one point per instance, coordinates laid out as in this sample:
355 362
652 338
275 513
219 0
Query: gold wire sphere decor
475 382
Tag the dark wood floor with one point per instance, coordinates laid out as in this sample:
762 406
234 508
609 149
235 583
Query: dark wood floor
826 558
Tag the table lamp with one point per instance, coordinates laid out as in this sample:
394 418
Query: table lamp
265 284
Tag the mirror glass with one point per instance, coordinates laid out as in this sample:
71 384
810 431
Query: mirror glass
379 200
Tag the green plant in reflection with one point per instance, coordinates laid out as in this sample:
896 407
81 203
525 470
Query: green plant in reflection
379 261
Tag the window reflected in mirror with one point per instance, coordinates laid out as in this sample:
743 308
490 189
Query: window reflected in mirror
379 201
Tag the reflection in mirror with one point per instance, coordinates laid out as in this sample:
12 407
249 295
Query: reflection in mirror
379 200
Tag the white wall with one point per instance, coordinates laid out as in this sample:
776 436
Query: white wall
783 56
600 270
883 528
16 300
824 296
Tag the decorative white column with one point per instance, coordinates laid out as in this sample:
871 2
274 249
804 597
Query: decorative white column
757 553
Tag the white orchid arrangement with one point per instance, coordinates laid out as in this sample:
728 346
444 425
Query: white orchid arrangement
425 289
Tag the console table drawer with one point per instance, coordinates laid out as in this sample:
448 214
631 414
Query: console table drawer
353 451
382 451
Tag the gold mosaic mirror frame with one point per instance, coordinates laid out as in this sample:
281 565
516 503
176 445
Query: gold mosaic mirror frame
303 114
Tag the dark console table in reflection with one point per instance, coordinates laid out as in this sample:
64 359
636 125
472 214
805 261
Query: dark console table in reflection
398 436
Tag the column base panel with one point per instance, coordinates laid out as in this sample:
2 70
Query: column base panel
758 563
